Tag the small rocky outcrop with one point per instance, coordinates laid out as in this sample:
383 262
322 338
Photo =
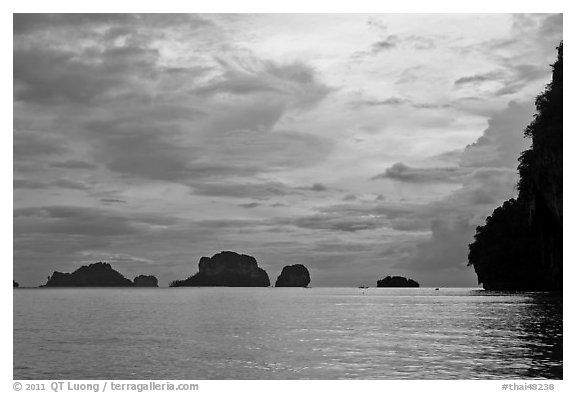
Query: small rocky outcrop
145 281
226 269
94 275
15 284
293 276
396 282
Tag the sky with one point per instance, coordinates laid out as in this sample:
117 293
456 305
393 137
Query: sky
360 145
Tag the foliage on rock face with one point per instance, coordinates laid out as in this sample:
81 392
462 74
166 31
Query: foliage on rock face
520 246
541 166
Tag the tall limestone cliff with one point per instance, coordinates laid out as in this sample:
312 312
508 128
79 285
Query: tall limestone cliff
520 246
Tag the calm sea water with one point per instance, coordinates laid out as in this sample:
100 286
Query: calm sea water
285 333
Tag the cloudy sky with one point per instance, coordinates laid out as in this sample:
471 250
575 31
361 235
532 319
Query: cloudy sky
359 145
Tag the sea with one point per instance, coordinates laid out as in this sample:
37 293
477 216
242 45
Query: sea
286 333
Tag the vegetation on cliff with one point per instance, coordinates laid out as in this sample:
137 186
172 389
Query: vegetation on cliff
520 246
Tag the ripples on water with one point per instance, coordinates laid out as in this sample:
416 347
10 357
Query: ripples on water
285 333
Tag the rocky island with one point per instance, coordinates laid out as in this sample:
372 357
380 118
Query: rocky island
396 282
520 246
226 269
293 276
99 274
145 281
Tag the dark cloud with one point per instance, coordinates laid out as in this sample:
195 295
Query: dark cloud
249 75
402 172
142 150
60 76
235 140
392 101
112 200
73 164
512 80
31 23
151 121
334 222
523 74
233 224
250 205
72 221
389 43
480 78
50 76
397 101
424 105
247 189
318 187
160 153
33 145
84 221
61 183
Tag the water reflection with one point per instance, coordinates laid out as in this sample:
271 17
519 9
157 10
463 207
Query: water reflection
531 323
285 333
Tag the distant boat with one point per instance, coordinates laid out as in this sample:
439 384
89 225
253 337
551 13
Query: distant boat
363 287
436 289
